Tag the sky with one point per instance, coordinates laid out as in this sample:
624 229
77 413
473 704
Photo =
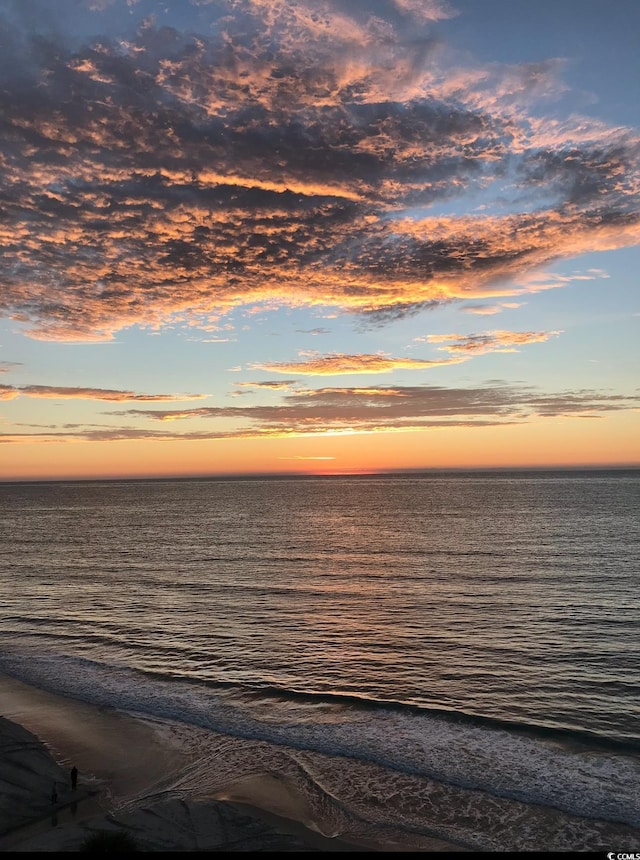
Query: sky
318 237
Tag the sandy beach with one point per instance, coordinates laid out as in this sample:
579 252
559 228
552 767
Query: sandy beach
120 758
174 787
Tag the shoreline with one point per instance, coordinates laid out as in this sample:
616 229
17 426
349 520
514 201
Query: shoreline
177 787
121 758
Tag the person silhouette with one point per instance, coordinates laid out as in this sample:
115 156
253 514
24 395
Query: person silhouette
74 777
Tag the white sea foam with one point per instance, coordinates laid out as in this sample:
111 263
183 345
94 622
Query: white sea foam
502 763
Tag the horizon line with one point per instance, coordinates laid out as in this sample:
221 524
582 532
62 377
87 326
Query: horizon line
381 473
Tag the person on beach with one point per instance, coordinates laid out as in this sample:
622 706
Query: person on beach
74 777
54 795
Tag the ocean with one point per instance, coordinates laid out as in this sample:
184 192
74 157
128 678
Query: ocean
441 655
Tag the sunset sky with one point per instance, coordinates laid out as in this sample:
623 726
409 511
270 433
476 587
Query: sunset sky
331 236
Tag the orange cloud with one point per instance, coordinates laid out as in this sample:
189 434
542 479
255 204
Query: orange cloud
346 410
309 457
493 341
9 392
341 364
274 385
490 310
161 176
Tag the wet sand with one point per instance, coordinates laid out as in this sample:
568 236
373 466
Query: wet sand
180 788
120 759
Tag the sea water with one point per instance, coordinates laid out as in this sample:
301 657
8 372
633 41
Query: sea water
464 645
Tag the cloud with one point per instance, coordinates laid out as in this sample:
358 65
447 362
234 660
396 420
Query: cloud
489 310
537 281
167 170
301 457
273 384
492 341
534 282
360 410
9 392
339 363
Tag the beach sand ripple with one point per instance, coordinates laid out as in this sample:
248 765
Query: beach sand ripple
30 821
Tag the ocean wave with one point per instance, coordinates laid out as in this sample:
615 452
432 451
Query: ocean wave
577 774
